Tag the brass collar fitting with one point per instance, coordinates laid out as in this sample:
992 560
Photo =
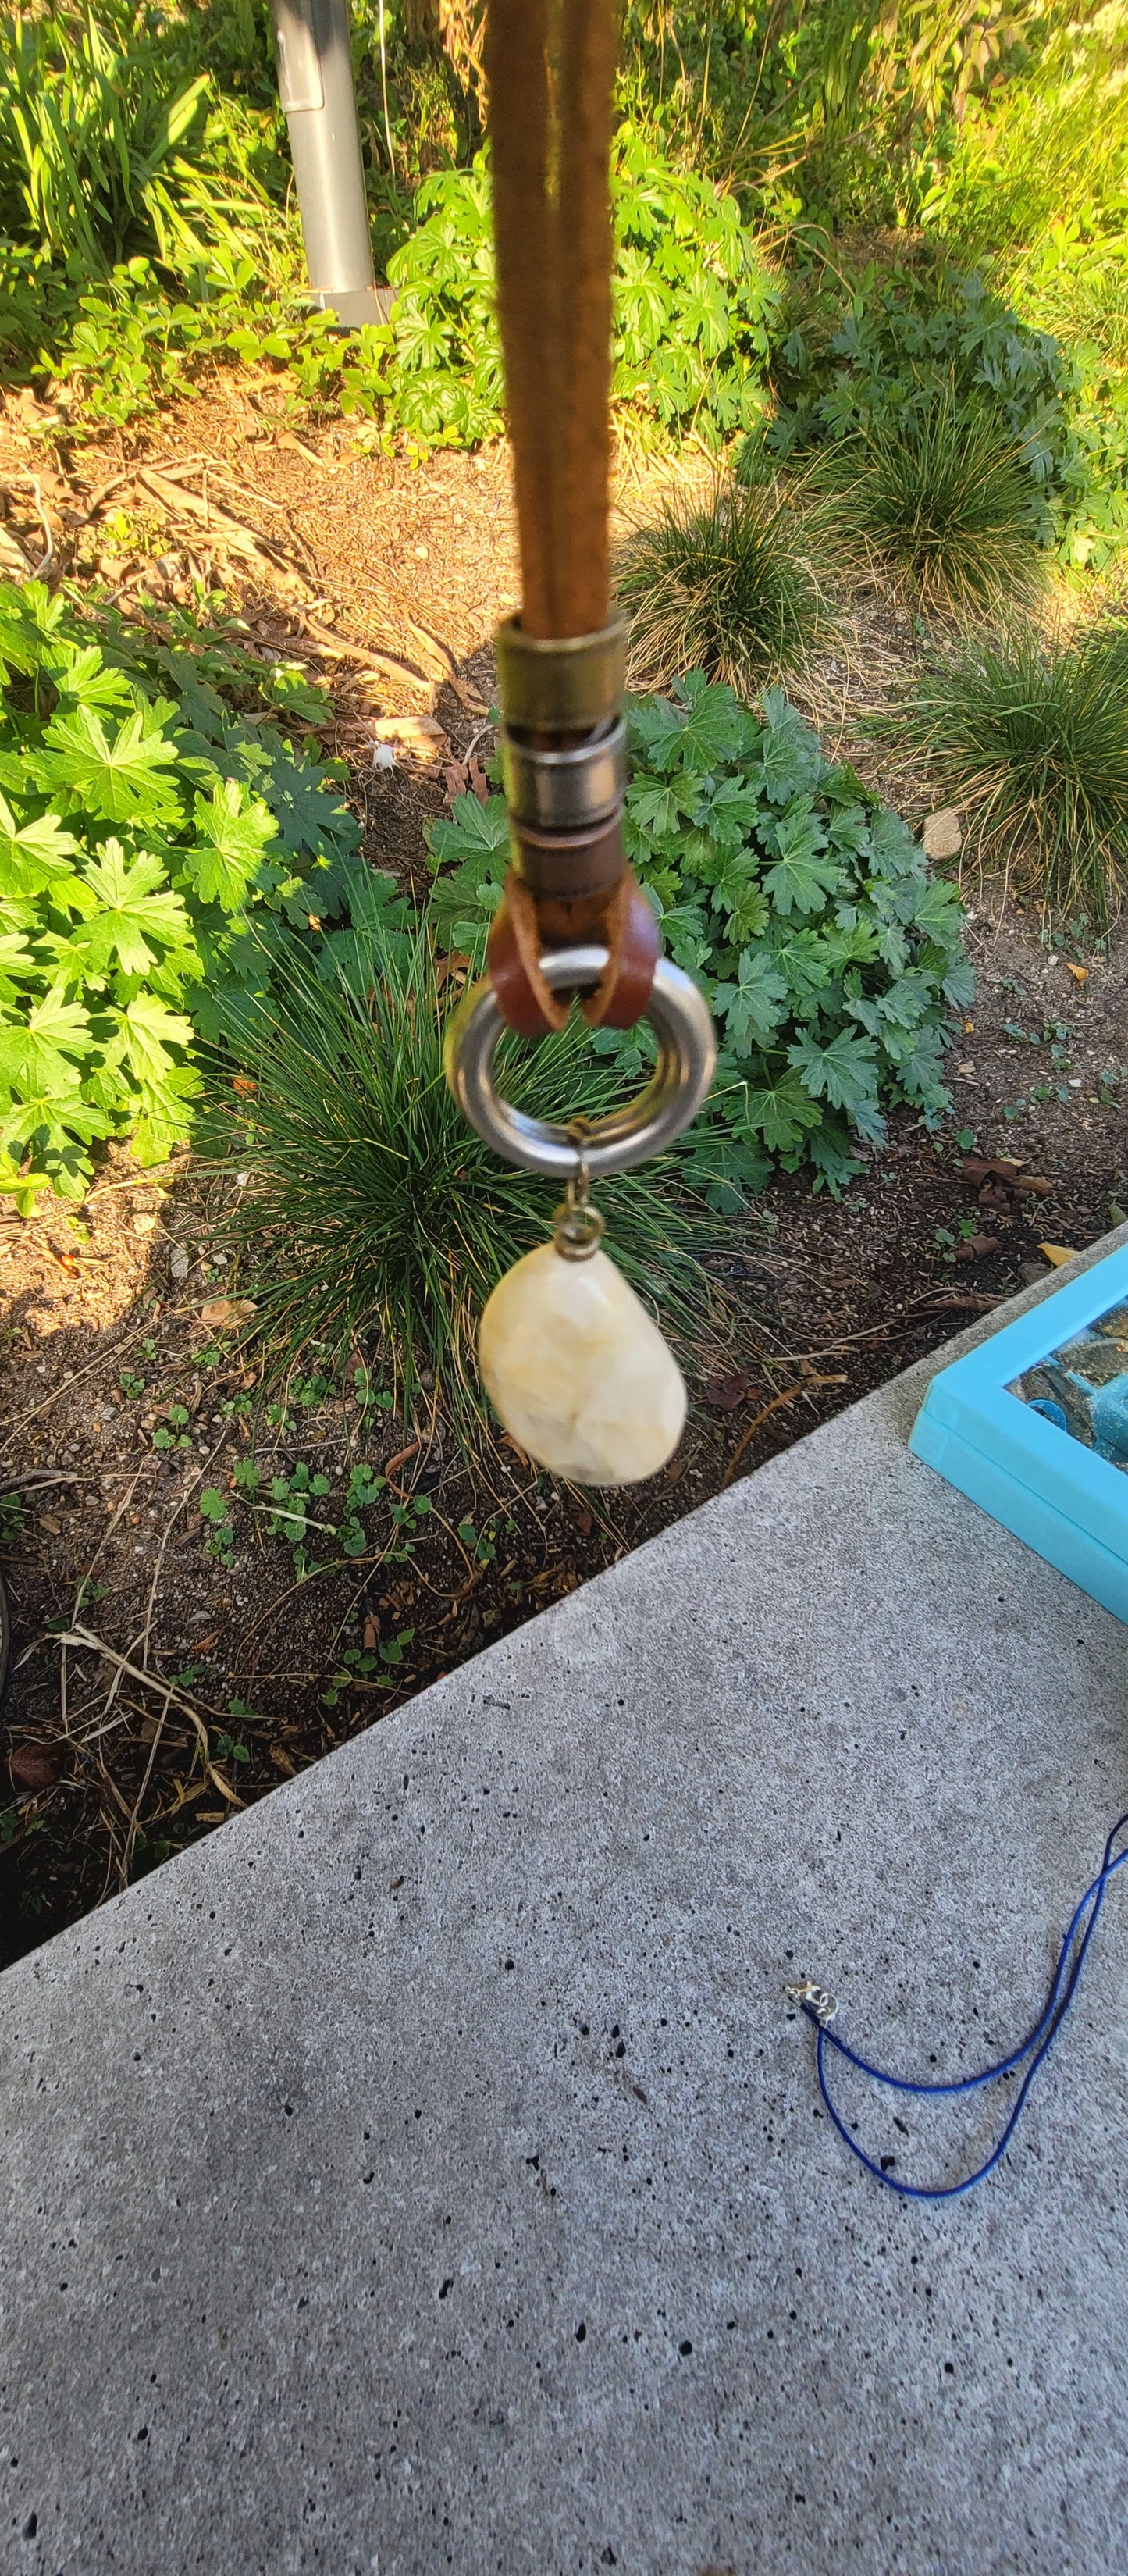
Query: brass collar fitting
564 757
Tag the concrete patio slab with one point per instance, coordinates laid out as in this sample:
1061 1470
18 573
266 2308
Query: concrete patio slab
425 2174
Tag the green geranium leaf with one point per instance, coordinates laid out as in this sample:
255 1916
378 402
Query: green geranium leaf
35 855
37 1055
781 1112
755 1005
120 780
125 921
844 1072
234 830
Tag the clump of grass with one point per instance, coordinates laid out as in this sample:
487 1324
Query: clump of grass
370 1208
1031 733
941 497
722 586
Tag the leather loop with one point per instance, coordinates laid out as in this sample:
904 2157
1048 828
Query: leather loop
513 958
623 923
631 931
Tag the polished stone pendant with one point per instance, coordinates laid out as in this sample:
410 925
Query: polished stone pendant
574 1366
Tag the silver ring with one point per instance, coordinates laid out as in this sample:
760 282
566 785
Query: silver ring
565 790
687 1055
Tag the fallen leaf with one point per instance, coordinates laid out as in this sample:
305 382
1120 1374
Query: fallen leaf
993 1195
35 1766
203 1645
1080 974
976 1247
213 1815
727 1392
990 1167
53 1527
144 1224
371 1635
281 1760
242 1083
225 1314
454 781
508 1442
1033 1183
1058 1253
422 735
477 781
583 1523
467 697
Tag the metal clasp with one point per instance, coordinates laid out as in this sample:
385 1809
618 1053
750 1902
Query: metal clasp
821 2004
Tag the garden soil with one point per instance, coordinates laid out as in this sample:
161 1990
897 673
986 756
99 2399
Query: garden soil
202 1678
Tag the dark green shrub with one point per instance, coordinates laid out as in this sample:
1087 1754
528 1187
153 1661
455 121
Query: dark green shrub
939 496
1032 735
804 908
841 367
370 1205
720 585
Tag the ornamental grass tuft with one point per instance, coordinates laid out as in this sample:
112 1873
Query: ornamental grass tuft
939 496
371 1211
1031 733
720 585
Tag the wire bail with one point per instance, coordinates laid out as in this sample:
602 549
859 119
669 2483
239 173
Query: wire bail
577 1226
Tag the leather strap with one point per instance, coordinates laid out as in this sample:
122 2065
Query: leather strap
621 921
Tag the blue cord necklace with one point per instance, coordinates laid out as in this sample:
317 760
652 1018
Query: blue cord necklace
820 2009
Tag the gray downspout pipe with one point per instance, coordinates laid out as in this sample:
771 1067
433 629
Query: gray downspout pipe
315 82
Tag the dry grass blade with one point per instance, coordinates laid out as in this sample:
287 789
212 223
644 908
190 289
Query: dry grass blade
86 1642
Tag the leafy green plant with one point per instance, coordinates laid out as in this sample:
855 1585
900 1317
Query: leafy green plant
693 296
156 853
115 146
215 1510
941 496
832 960
13 1520
1032 735
173 1433
369 1205
881 360
721 585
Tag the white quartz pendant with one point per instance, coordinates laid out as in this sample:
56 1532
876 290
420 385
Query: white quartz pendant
578 1372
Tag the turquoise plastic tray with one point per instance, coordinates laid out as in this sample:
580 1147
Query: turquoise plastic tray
1063 1498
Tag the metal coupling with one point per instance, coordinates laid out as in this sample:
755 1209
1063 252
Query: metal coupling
573 790
566 684
564 757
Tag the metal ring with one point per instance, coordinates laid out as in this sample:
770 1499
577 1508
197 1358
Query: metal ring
566 790
687 1055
